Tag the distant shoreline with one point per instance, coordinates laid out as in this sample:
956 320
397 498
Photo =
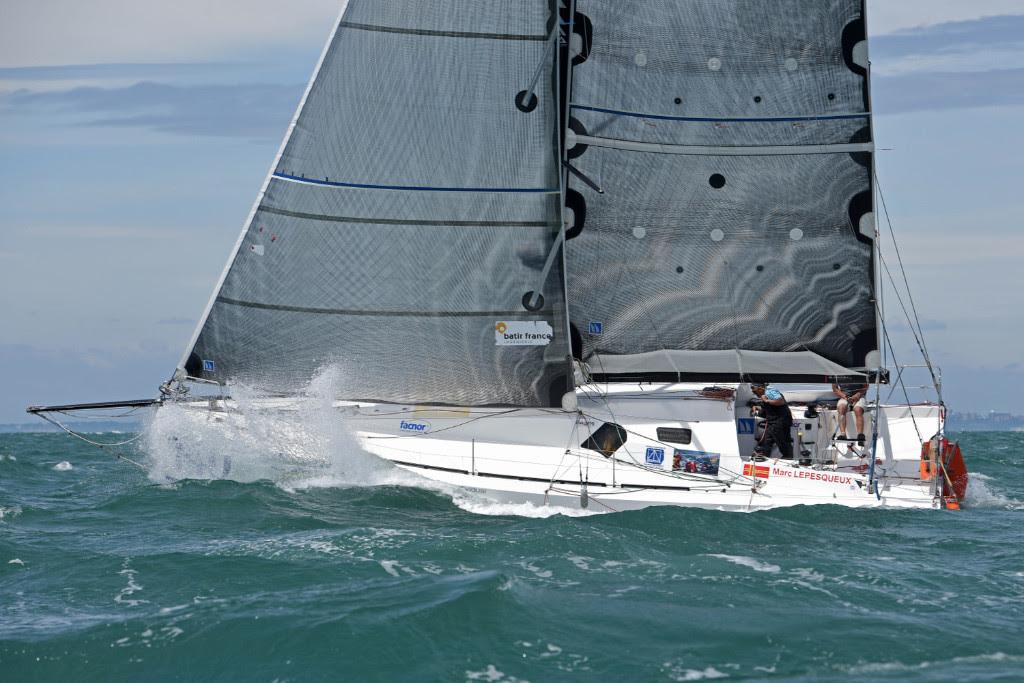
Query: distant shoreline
90 427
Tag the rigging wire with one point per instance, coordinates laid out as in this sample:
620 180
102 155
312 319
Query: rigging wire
98 444
915 323
906 396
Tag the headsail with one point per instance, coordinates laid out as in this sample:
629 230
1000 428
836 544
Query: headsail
733 143
404 228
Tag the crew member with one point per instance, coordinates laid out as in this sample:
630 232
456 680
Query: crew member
778 423
851 396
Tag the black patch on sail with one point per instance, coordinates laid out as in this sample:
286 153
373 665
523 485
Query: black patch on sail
860 204
861 137
584 27
576 341
864 343
579 129
575 201
526 105
854 33
194 366
558 388
528 301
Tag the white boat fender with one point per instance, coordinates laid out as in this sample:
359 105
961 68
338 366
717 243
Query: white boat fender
570 403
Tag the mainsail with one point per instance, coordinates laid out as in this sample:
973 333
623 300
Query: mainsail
732 140
407 225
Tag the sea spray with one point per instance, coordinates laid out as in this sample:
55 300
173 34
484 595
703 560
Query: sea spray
298 442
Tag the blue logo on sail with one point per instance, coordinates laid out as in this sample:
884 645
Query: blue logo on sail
654 456
596 328
745 425
209 366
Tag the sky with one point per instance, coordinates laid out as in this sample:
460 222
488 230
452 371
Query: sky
134 137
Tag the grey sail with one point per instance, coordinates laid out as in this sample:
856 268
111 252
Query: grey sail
409 217
732 142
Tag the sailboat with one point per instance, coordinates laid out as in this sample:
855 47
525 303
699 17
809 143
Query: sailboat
551 244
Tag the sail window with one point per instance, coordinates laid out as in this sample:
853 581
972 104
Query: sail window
608 438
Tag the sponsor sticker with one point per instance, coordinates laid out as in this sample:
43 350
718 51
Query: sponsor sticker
826 477
596 327
413 426
695 462
654 456
209 366
745 425
753 470
523 333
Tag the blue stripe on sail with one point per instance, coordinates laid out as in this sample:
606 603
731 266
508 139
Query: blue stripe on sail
783 119
412 188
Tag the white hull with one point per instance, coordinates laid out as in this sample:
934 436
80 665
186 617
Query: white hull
537 455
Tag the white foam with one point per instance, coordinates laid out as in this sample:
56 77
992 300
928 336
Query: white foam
9 512
583 563
389 567
63 466
750 562
980 494
880 667
480 504
17 561
492 674
696 674
307 445
537 571
132 587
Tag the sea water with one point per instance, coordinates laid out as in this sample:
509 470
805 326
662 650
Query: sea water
280 552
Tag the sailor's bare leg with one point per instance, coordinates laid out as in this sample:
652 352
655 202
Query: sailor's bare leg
858 418
842 407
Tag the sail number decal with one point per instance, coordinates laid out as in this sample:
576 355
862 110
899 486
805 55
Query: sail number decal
523 333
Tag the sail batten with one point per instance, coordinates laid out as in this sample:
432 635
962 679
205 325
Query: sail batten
442 34
727 150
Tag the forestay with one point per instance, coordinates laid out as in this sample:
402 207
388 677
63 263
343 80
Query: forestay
408 218
732 141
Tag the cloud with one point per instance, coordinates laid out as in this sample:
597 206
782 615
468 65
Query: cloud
247 111
888 16
978 45
46 32
66 72
953 90
926 326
